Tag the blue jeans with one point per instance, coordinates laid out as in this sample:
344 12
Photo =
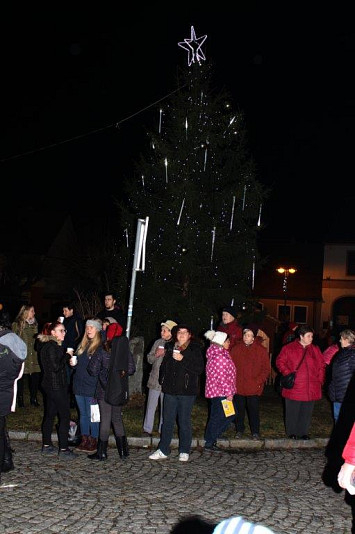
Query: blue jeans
336 410
217 421
87 428
179 406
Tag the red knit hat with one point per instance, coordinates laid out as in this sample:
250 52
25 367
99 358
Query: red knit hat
113 330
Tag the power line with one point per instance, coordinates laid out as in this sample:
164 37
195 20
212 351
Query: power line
92 132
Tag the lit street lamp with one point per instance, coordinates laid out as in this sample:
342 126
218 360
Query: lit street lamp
285 272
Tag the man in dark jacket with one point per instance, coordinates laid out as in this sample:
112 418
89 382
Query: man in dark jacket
74 326
111 309
13 352
179 376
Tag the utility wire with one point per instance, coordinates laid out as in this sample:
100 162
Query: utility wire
92 132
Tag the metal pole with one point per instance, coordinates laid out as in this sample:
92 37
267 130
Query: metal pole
141 235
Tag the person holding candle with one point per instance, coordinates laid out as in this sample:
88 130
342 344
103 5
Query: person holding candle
179 377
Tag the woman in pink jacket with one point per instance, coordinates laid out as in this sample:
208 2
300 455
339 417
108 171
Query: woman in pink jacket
299 401
220 385
346 476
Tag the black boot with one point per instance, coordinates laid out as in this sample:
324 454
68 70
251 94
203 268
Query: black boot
125 446
7 464
122 446
119 445
101 453
20 402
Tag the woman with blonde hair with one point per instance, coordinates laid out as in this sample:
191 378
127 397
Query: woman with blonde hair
84 385
26 327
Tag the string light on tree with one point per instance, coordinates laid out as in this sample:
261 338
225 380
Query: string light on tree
232 215
160 114
196 203
166 169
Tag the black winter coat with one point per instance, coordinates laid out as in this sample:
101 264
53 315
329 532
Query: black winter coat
181 378
53 359
75 327
343 367
117 380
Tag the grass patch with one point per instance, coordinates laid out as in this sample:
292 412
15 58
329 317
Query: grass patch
271 417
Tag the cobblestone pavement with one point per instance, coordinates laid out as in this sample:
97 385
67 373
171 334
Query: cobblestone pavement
281 489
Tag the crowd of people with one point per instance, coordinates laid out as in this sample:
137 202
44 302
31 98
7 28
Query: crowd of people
90 361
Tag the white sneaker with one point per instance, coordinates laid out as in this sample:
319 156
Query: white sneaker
157 455
184 457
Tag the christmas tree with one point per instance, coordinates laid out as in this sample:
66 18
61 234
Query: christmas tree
196 182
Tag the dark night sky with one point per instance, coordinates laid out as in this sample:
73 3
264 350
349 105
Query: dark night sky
290 71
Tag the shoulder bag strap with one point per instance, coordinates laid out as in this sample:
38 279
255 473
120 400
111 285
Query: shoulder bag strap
304 354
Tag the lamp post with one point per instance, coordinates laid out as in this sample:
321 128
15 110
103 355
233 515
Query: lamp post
285 272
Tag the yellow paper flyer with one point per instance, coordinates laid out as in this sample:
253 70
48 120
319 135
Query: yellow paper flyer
228 407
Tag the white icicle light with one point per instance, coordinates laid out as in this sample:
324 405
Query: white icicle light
182 207
142 180
232 214
186 126
166 169
213 241
126 233
160 114
259 220
253 276
245 190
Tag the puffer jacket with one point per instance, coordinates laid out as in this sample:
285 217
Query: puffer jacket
253 367
220 373
181 378
98 367
343 367
12 356
310 375
349 449
53 360
234 331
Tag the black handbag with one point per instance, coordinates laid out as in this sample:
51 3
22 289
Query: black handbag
287 381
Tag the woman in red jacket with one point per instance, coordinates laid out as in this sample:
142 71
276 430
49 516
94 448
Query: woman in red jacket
252 363
299 401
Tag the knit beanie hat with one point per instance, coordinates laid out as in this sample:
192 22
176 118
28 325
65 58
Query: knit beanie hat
216 337
231 310
237 525
113 330
96 323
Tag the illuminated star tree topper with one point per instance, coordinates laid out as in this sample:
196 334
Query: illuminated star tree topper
193 46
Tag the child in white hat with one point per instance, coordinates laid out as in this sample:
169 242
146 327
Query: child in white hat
220 385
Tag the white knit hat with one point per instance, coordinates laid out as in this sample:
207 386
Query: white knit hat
216 337
237 525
